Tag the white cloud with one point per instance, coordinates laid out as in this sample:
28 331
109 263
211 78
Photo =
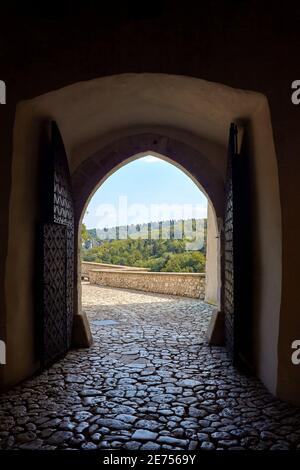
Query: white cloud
151 159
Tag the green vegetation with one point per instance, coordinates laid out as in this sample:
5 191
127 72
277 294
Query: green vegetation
166 255
85 236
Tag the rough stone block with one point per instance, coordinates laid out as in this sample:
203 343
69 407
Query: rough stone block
216 329
82 336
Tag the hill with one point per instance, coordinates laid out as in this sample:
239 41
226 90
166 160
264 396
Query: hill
173 246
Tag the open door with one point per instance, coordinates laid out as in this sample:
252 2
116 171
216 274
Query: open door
236 279
57 251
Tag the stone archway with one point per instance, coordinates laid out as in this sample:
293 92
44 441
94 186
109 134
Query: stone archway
91 174
93 115
96 168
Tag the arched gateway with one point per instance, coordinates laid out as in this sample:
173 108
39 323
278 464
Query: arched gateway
108 120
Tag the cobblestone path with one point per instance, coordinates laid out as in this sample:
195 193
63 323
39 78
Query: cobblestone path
150 381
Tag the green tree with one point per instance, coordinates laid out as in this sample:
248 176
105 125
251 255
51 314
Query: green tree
189 262
84 233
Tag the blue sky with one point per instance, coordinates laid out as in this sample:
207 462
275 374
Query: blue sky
147 189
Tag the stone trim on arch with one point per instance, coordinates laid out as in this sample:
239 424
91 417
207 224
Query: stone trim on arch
91 172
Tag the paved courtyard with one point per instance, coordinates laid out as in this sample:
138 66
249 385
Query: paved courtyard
150 381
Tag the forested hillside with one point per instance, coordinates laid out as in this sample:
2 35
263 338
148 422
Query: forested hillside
162 252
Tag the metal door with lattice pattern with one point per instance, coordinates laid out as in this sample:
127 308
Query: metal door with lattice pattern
57 251
236 253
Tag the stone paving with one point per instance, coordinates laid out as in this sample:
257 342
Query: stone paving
150 381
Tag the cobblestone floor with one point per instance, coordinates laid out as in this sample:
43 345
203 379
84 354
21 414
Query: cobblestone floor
150 381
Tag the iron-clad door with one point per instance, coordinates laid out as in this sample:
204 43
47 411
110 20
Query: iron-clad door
58 251
236 285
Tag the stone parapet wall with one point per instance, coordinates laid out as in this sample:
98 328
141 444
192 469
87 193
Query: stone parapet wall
181 284
86 266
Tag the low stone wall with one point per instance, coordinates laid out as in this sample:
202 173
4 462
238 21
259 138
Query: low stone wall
182 284
87 266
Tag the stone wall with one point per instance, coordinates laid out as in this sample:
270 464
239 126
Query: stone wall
182 284
87 266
